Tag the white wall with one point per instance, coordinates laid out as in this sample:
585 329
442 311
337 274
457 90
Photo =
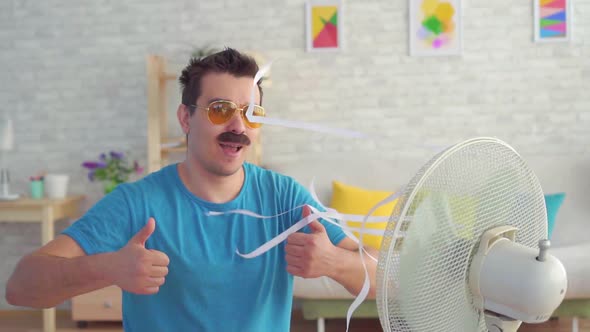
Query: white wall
72 76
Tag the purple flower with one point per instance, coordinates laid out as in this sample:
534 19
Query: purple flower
111 169
117 155
94 164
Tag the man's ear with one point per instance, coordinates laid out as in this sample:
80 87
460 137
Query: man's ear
184 116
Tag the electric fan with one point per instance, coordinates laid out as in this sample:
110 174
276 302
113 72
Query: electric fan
468 250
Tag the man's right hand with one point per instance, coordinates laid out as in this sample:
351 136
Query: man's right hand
137 269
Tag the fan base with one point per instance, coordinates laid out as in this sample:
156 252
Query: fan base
499 323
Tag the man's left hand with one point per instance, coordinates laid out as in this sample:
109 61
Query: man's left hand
310 255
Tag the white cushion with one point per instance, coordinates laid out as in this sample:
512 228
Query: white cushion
319 288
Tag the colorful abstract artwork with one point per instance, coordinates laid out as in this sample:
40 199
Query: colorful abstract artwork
553 20
324 25
435 27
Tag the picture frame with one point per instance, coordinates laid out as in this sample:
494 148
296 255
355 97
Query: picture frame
323 25
435 27
553 20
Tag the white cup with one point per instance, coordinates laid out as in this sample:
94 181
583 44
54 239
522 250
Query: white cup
56 185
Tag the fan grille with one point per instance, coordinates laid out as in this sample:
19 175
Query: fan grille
422 274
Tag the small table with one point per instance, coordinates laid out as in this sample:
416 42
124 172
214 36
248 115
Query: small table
45 212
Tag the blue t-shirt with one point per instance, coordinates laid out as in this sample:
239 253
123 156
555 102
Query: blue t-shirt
208 287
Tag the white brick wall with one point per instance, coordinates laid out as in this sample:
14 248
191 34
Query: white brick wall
72 75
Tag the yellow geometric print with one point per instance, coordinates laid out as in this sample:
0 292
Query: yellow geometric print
319 15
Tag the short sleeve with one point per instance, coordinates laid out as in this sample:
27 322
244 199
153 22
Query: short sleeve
106 227
302 196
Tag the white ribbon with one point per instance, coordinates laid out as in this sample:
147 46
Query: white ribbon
367 283
289 123
328 215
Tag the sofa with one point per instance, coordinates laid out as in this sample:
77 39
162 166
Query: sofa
323 298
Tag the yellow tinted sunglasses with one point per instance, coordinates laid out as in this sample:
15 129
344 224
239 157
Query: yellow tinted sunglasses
221 111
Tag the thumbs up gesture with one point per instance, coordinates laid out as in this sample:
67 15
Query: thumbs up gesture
137 269
310 255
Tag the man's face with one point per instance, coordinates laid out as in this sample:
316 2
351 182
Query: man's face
221 149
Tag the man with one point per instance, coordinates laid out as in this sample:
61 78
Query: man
177 266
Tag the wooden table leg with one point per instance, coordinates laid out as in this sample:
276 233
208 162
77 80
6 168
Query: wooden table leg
47 234
49 320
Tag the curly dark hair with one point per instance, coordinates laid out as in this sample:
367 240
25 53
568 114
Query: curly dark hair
227 61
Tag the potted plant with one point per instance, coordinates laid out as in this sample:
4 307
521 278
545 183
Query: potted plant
111 169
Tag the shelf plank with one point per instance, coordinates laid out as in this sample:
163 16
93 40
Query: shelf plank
168 77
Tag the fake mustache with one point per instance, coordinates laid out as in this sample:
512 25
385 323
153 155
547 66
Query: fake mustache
229 137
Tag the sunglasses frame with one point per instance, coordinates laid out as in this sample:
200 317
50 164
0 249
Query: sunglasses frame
242 111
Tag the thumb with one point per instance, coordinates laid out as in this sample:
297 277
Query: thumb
315 226
144 233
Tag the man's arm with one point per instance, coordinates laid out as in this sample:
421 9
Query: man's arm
56 272
348 269
313 255
60 270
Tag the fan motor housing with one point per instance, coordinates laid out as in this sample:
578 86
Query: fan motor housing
509 280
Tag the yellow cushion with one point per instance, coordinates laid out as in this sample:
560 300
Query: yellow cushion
354 200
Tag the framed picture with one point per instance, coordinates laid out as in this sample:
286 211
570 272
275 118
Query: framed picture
323 21
553 20
435 27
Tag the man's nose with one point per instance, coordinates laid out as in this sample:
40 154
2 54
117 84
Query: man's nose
237 124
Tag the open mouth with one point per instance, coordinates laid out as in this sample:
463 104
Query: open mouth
231 147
